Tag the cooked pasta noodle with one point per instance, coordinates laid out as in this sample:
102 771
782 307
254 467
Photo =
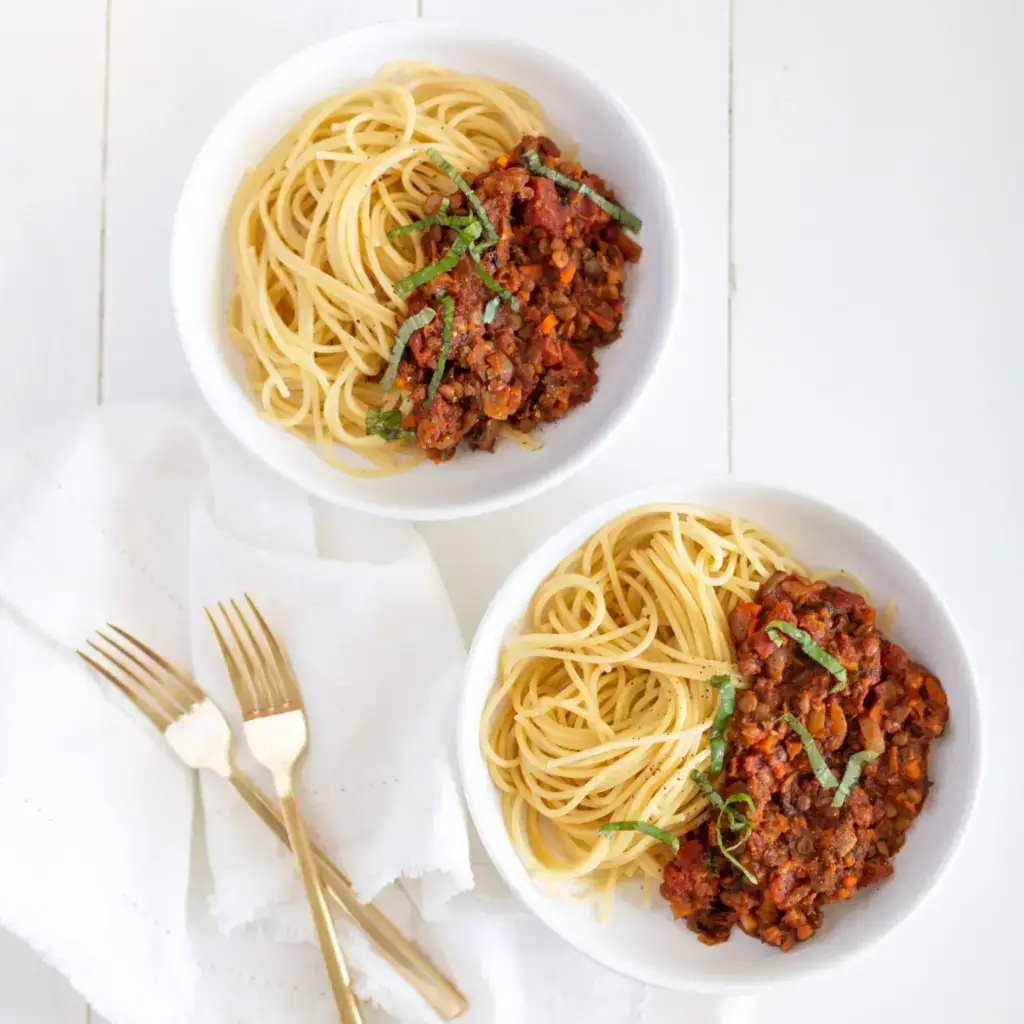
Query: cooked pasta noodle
313 308
602 707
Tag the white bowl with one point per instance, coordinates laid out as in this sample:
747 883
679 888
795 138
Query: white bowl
611 142
647 944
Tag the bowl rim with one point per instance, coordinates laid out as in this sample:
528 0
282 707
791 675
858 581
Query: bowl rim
480 660
201 341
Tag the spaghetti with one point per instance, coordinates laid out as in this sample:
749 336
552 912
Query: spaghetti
603 705
313 308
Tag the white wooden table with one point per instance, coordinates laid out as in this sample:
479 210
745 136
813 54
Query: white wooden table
851 176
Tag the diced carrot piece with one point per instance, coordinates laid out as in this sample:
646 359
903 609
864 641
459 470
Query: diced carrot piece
502 161
547 325
605 325
535 271
934 691
567 274
550 351
629 249
751 611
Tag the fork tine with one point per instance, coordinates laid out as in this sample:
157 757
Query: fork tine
263 691
152 683
153 693
284 672
191 690
158 719
267 669
244 693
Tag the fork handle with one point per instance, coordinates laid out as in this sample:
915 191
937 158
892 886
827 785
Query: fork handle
405 957
334 959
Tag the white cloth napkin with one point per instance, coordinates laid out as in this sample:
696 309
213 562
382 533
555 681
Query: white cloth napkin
164 909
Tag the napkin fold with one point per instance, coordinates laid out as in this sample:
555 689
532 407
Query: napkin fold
157 892
141 519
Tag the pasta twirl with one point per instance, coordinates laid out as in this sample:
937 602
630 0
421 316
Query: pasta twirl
313 308
602 705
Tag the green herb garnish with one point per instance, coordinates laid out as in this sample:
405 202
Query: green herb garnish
707 787
735 821
491 309
728 854
405 332
387 424
852 774
640 826
726 704
432 270
810 648
821 770
485 275
446 344
474 201
444 264
738 821
445 220
628 220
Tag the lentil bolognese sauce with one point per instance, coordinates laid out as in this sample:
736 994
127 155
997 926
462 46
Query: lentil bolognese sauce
825 770
525 283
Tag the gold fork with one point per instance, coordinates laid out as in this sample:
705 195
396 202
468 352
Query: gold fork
276 731
197 731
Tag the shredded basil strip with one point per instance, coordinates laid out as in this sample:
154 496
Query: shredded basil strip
446 344
810 648
852 774
474 201
628 220
491 309
728 854
706 786
387 424
432 270
466 236
405 332
822 772
485 275
736 821
444 219
726 705
640 826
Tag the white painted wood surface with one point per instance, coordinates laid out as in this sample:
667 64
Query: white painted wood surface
877 220
866 191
